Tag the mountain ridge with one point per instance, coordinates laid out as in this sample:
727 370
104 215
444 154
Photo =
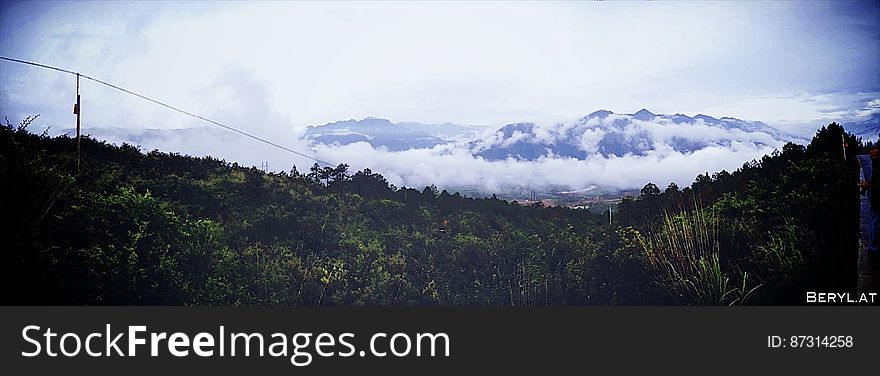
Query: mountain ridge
608 134
601 133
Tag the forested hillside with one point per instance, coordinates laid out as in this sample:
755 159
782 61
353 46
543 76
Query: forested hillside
155 228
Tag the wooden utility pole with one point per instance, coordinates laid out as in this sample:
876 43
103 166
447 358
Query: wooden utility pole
609 214
76 110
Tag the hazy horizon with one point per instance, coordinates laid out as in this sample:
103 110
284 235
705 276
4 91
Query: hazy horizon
273 69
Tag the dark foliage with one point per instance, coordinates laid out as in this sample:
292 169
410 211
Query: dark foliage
157 228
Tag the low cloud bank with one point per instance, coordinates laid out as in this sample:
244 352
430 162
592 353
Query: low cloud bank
449 166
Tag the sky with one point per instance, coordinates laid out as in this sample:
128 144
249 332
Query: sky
273 68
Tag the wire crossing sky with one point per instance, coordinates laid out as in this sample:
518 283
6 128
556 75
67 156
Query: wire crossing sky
784 63
270 143
274 68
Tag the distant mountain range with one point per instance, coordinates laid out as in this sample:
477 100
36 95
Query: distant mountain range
383 133
602 133
608 134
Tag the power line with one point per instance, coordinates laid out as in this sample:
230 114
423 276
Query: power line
37 65
227 127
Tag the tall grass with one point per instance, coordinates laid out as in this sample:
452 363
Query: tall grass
685 254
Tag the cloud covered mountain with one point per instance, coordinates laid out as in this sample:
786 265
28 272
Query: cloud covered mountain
383 133
608 134
603 149
601 133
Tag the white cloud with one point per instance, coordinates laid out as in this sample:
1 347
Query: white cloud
454 165
458 168
872 107
274 68
515 137
589 141
470 63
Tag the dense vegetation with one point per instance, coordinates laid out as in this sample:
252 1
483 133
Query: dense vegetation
784 225
156 228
